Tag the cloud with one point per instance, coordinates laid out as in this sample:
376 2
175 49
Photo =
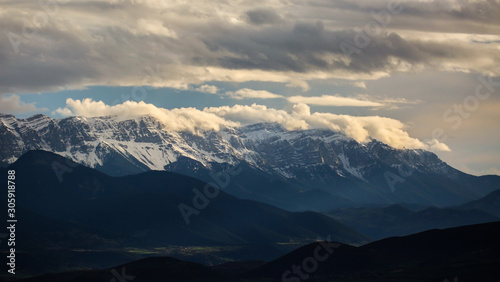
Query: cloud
389 103
182 119
212 89
258 113
338 101
263 16
12 104
310 47
359 84
246 93
361 100
361 129
155 28
100 43
435 145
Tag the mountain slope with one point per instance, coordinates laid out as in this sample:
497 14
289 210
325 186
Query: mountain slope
469 253
142 211
489 203
379 223
296 170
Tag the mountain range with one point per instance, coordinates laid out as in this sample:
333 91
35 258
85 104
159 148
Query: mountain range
93 220
301 170
94 193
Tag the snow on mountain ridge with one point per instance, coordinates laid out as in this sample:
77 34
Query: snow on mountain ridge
144 142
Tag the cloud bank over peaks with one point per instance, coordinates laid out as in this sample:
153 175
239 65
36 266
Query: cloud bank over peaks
360 128
182 119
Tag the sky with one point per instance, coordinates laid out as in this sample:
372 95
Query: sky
413 74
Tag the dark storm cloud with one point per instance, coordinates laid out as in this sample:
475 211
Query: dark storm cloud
439 15
263 16
111 42
478 11
310 47
42 62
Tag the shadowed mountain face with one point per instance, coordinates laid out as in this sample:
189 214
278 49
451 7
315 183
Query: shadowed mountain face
295 170
74 216
490 204
379 223
468 254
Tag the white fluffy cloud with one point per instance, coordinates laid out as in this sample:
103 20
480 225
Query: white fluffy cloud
361 100
246 93
328 100
362 129
182 119
212 89
258 113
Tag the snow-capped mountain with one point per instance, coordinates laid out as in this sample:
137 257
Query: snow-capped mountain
143 143
313 162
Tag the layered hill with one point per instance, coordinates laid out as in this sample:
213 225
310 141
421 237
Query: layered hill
383 222
467 254
71 213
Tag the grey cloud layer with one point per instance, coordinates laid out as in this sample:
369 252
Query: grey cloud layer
111 43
